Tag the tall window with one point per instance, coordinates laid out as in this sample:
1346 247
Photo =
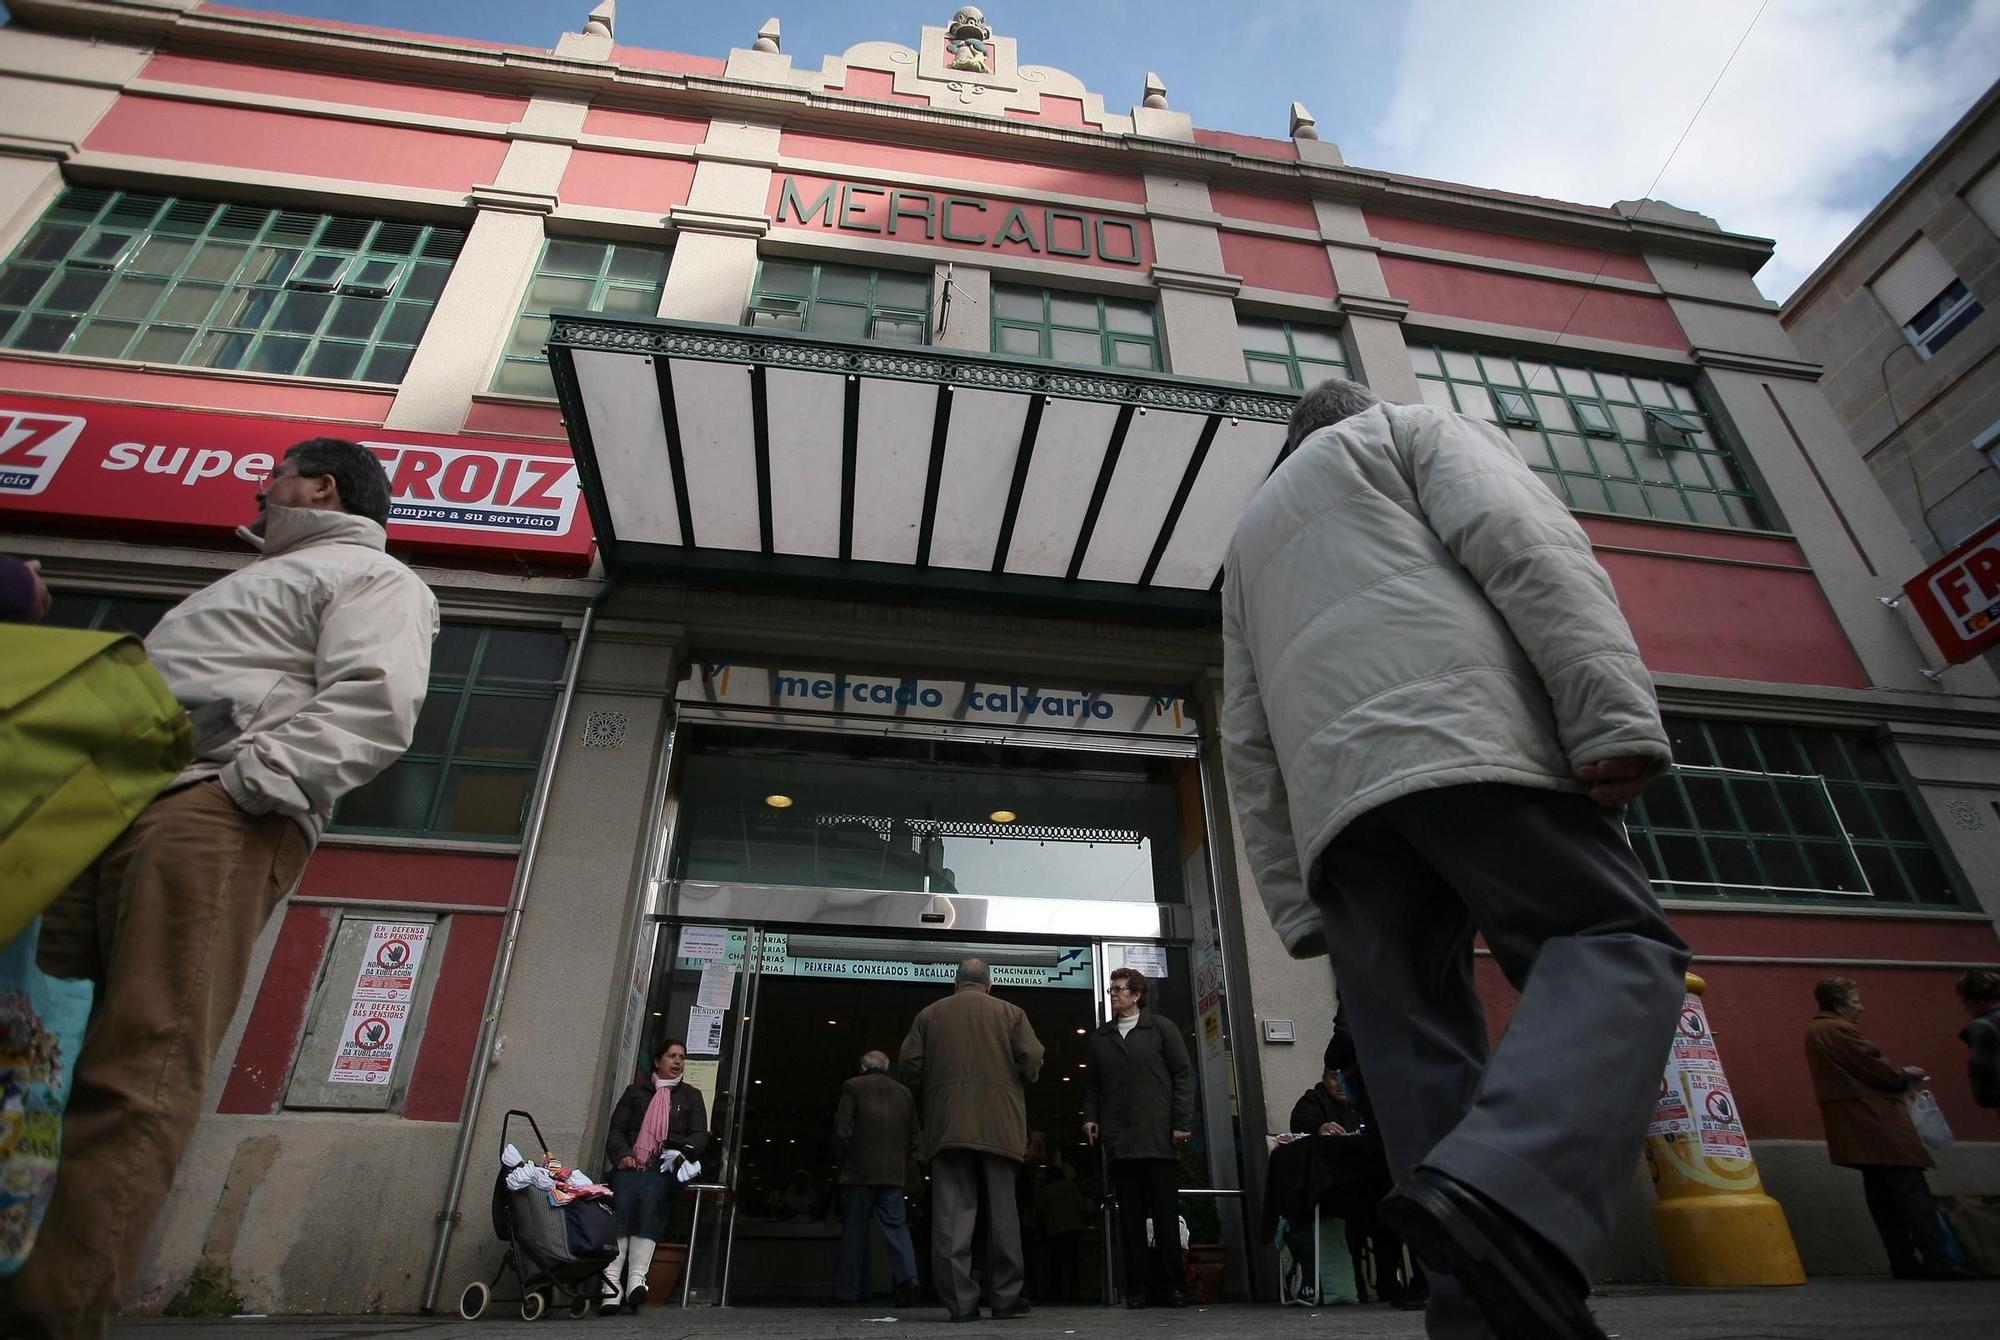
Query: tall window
1924 296
1605 441
844 302
1075 327
1289 353
478 744
619 278
174 279
1770 811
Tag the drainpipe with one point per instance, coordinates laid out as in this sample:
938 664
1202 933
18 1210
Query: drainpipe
490 1020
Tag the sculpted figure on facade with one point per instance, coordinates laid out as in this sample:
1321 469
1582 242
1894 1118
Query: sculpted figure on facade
969 42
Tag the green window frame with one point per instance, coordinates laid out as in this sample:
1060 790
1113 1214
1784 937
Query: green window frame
1067 327
617 278
1290 353
1604 440
842 302
1766 811
208 283
478 745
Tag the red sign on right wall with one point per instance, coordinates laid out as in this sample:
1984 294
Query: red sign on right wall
1958 597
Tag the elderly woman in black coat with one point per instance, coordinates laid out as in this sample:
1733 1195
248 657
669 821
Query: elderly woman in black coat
658 1130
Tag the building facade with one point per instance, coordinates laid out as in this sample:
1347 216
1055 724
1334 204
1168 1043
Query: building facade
836 596
1900 316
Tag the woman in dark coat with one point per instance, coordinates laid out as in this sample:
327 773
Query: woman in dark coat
659 1130
1868 1129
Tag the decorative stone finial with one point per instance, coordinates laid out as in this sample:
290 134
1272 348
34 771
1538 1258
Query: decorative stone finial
1156 92
767 37
1303 125
602 20
968 42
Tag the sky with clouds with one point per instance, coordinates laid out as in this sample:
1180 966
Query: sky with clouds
1824 107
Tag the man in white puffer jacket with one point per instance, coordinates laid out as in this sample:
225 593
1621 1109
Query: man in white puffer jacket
1433 712
303 673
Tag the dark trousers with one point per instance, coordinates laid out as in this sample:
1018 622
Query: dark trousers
1550 1124
1899 1201
1149 1189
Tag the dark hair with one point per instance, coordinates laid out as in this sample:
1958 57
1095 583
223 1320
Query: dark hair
357 473
1979 984
1332 400
1834 993
1135 981
660 1047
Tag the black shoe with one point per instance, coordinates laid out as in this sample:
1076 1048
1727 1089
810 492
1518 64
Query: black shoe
1173 1298
607 1308
1134 1302
949 1315
1520 1282
635 1298
1019 1309
907 1294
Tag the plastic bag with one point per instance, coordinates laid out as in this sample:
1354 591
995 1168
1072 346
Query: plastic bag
1929 1121
42 1019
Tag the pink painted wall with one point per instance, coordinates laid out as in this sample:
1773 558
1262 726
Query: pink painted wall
1256 146
645 126
1538 304
626 181
261 141
1503 246
879 86
1053 110
541 423
1278 263
350 90
335 25
1289 211
190 389
1013 173
668 62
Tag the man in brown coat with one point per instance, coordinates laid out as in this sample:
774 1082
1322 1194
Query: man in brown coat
1869 1129
874 1138
972 1058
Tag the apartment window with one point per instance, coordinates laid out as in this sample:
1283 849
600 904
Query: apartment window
1983 198
1923 296
1288 353
204 283
1075 328
842 302
619 278
108 614
478 744
1755 810
1605 441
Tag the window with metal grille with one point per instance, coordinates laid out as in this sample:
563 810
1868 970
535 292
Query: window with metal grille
617 278
1075 328
1290 353
204 283
843 302
1764 811
110 614
478 744
1605 441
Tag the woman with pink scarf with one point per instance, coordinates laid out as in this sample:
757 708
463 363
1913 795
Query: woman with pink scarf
658 1123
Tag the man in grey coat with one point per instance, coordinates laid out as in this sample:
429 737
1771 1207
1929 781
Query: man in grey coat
1138 1099
972 1057
1433 712
874 1139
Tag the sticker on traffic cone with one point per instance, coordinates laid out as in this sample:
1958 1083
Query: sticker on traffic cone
1716 1226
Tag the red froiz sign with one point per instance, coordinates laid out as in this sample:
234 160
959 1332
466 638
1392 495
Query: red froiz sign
190 470
1958 597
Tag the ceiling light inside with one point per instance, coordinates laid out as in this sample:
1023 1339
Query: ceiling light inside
778 802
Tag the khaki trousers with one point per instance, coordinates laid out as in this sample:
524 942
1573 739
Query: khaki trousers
164 923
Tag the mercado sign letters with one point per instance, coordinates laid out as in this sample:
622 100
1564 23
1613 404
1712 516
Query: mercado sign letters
960 220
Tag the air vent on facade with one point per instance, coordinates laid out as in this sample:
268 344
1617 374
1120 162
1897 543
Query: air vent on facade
241 221
133 208
292 226
396 239
443 244
81 202
346 234
604 730
187 217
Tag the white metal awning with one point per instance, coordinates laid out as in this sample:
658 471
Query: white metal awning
728 452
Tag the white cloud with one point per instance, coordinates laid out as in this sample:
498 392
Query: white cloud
1823 109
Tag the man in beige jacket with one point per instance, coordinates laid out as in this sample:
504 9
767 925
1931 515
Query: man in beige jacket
303 673
971 1057
1433 710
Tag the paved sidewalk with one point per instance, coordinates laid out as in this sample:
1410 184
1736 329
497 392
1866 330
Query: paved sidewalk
1837 1309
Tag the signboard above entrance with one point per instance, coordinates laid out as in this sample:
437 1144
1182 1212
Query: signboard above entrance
981 702
1958 597
1003 226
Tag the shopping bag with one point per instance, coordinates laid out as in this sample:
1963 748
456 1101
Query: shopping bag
1929 1121
89 735
42 1019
